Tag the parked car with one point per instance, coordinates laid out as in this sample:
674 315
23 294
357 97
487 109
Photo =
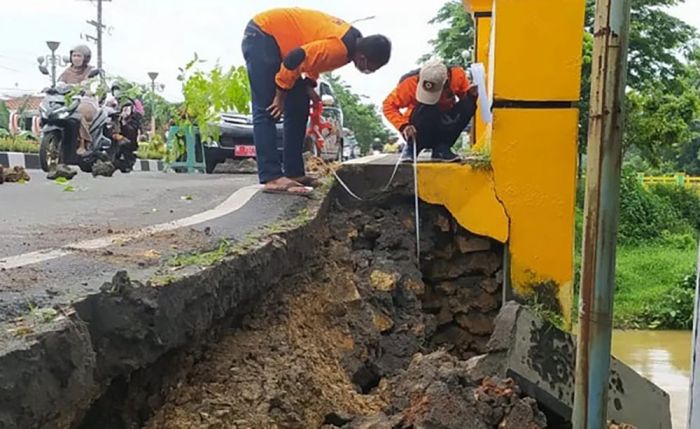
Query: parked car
236 134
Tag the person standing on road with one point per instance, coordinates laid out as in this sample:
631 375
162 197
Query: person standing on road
285 52
431 107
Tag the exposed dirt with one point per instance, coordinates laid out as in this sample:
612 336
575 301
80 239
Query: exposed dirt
345 344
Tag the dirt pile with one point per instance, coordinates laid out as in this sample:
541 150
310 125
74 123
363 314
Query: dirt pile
316 166
343 339
437 392
13 175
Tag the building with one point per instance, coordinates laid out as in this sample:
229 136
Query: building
24 113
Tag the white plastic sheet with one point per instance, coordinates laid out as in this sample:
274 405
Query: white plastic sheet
479 77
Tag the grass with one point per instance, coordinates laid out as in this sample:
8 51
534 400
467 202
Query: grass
203 259
17 144
645 276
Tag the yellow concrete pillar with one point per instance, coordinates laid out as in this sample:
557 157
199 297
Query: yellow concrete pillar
535 74
481 13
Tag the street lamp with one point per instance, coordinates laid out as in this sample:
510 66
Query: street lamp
153 76
53 46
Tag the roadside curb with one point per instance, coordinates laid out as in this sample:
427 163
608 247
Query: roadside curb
30 161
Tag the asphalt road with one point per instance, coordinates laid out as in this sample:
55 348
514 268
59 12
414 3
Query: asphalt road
42 214
59 245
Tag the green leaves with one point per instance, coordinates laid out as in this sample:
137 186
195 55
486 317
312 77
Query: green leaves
456 36
207 94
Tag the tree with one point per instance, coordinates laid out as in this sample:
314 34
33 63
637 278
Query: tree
4 116
152 103
660 106
456 35
362 118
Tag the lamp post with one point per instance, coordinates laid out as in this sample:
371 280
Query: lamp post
153 76
53 46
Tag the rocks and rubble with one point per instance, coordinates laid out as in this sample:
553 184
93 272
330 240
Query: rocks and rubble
13 175
61 171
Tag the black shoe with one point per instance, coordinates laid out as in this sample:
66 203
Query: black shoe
445 156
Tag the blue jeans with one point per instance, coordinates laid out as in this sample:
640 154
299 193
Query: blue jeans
263 61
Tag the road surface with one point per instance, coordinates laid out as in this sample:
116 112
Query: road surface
61 243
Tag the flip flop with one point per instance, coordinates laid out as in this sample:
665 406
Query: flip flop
287 190
308 181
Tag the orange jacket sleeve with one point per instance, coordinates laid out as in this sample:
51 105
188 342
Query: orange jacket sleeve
311 59
459 82
402 97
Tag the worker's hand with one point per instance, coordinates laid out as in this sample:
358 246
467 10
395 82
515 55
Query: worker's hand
277 107
313 95
473 91
410 132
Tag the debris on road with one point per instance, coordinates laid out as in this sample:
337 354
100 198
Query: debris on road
61 171
235 166
318 167
13 175
102 168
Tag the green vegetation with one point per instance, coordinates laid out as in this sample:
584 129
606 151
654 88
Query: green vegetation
203 259
18 144
656 254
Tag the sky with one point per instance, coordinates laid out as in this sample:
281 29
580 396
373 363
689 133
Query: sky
162 35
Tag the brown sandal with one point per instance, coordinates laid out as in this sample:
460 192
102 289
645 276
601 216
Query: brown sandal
288 188
308 181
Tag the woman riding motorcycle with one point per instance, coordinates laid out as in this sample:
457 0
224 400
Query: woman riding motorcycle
76 74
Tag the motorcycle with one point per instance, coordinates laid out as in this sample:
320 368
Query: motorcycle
59 134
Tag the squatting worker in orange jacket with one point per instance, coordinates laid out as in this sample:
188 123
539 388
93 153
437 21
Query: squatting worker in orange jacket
431 107
285 52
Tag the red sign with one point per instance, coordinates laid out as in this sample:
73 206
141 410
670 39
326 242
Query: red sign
244 151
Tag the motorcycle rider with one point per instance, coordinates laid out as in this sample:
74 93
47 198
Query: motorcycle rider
76 74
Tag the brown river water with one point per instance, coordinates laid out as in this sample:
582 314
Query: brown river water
664 358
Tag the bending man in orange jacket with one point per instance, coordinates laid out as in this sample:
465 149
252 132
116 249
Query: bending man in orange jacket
431 107
285 52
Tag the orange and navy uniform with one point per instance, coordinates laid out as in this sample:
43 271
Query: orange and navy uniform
399 105
310 42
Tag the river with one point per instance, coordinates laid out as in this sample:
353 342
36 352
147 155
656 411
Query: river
664 358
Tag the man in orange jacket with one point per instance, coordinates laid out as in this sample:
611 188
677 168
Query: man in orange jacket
431 107
285 52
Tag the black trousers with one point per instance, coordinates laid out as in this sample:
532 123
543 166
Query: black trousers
440 130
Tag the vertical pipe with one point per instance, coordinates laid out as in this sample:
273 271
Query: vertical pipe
608 76
53 69
694 402
99 34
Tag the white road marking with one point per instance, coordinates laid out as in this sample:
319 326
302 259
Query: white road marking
367 159
233 203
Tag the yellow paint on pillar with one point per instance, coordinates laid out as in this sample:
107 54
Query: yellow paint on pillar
537 53
468 193
481 14
534 161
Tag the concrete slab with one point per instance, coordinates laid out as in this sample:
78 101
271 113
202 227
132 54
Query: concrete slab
541 358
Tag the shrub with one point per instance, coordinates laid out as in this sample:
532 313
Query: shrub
672 310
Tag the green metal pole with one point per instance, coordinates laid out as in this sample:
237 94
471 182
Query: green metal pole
611 39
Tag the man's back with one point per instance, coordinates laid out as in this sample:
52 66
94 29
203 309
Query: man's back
294 27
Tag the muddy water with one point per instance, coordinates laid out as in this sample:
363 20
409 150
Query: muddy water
664 358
